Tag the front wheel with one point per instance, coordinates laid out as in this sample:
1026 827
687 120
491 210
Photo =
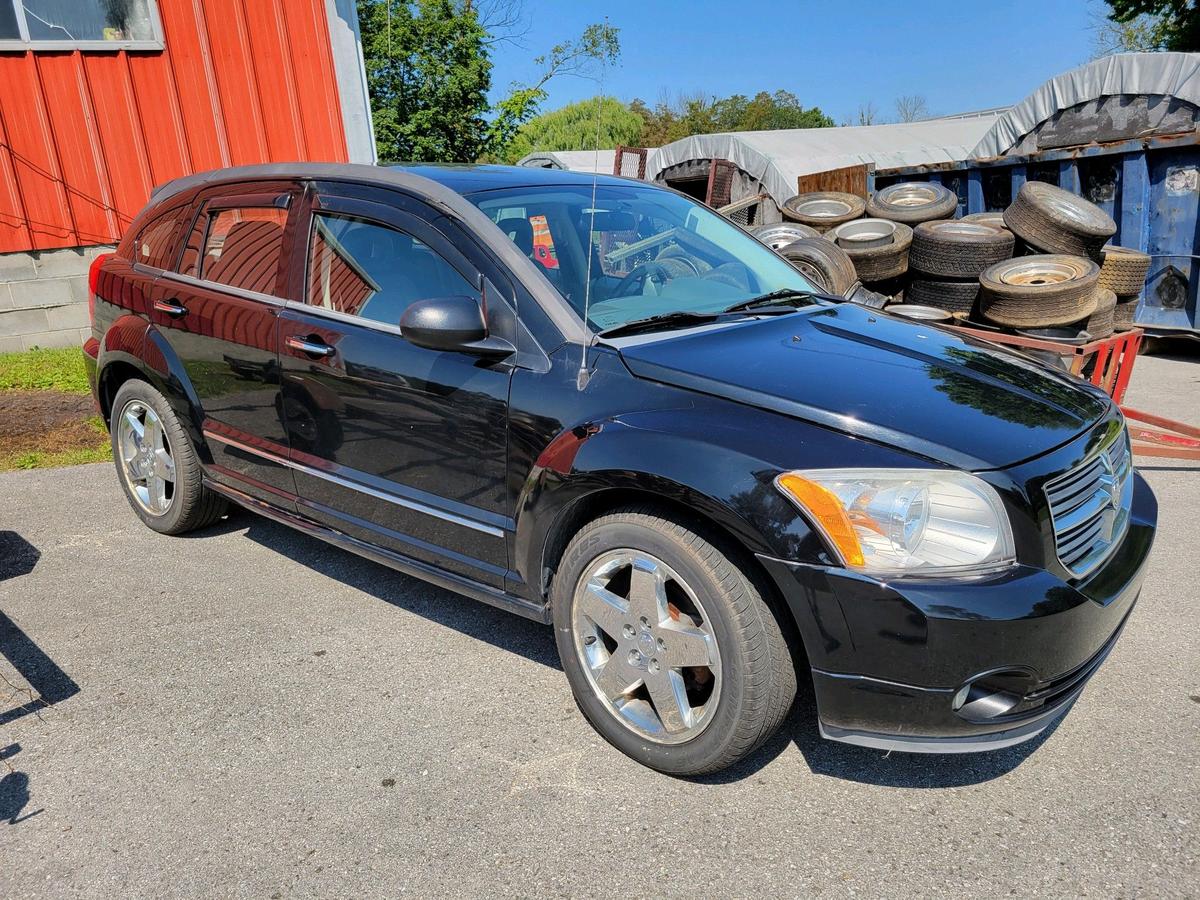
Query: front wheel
669 646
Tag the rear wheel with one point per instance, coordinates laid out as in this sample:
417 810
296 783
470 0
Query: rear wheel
669 646
156 463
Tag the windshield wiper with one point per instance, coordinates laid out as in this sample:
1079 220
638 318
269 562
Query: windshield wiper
677 319
683 319
771 298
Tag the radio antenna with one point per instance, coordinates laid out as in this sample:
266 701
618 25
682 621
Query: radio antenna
584 375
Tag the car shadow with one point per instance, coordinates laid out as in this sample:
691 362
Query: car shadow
501 629
512 633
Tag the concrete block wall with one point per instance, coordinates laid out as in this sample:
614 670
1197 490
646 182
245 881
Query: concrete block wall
43 298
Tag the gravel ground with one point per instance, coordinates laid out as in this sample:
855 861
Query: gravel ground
251 713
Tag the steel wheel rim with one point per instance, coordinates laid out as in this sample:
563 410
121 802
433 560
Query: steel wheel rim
910 196
144 455
822 209
647 646
1039 272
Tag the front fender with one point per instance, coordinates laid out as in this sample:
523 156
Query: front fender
669 454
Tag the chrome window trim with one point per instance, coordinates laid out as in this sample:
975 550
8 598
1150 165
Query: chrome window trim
361 488
223 288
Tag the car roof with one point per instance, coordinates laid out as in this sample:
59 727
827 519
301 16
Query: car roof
473 178
444 191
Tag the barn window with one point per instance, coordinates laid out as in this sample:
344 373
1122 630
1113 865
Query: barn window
80 25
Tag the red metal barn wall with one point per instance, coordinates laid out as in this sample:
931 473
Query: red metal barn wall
85 135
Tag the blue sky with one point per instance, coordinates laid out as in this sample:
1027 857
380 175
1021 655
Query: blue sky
964 55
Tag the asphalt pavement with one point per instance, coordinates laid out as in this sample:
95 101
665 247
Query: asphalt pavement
248 712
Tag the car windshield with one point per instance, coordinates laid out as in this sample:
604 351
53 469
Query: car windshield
651 251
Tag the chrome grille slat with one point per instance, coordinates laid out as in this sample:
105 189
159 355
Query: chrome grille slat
1089 507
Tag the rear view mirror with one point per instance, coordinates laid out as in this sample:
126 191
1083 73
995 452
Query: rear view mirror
454 324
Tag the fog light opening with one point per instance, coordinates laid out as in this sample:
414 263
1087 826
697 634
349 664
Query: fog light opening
992 695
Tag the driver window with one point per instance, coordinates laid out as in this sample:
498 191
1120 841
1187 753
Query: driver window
365 269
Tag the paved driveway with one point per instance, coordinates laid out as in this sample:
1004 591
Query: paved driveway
249 712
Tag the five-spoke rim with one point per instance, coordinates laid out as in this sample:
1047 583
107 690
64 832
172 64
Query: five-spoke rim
145 458
647 645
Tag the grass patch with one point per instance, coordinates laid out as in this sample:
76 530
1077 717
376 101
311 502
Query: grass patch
101 451
44 370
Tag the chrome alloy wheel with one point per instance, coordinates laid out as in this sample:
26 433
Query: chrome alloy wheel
647 646
145 458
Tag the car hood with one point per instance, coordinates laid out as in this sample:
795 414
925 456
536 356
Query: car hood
909 385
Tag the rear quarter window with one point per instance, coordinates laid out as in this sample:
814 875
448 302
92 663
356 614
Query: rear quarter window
158 242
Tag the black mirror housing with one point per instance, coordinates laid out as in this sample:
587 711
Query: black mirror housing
454 323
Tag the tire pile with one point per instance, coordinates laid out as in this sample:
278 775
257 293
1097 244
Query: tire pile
1044 263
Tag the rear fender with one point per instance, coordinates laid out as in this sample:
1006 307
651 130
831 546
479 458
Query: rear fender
133 341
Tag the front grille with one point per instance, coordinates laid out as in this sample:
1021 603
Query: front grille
1089 506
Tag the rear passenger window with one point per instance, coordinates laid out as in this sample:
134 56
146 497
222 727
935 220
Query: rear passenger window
365 269
238 247
242 248
157 242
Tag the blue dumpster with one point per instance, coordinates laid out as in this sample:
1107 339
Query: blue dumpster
1151 188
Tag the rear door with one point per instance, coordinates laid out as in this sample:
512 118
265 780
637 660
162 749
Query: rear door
219 312
397 445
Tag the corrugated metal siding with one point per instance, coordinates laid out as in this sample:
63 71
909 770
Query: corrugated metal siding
84 136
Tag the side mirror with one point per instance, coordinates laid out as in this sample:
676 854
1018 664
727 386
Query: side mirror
451 323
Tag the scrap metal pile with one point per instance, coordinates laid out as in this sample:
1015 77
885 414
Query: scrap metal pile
1041 267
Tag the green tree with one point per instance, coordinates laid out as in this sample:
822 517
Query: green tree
574 127
598 46
669 120
428 74
1152 25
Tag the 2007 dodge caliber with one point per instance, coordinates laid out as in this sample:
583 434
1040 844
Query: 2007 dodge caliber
598 404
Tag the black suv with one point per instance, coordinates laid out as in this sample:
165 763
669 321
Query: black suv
600 405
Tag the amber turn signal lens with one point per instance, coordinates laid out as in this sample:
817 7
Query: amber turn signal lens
829 514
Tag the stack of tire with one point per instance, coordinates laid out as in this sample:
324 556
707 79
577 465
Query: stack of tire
909 249
1057 282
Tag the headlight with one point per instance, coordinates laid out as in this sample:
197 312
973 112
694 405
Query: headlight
905 521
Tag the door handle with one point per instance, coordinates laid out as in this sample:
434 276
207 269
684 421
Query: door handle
312 348
172 308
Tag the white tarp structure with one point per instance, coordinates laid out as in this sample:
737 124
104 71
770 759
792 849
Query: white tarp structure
776 159
572 160
1167 75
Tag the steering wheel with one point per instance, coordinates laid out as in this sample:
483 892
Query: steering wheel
635 282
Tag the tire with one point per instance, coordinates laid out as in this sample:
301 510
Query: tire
749 690
995 219
863 234
1124 271
823 209
912 202
953 296
823 263
1057 221
882 263
1123 314
782 233
1101 323
1039 291
190 505
957 249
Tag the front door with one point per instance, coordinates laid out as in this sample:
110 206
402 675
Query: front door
391 443
219 312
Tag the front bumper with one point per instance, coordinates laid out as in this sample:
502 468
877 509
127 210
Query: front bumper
888 659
